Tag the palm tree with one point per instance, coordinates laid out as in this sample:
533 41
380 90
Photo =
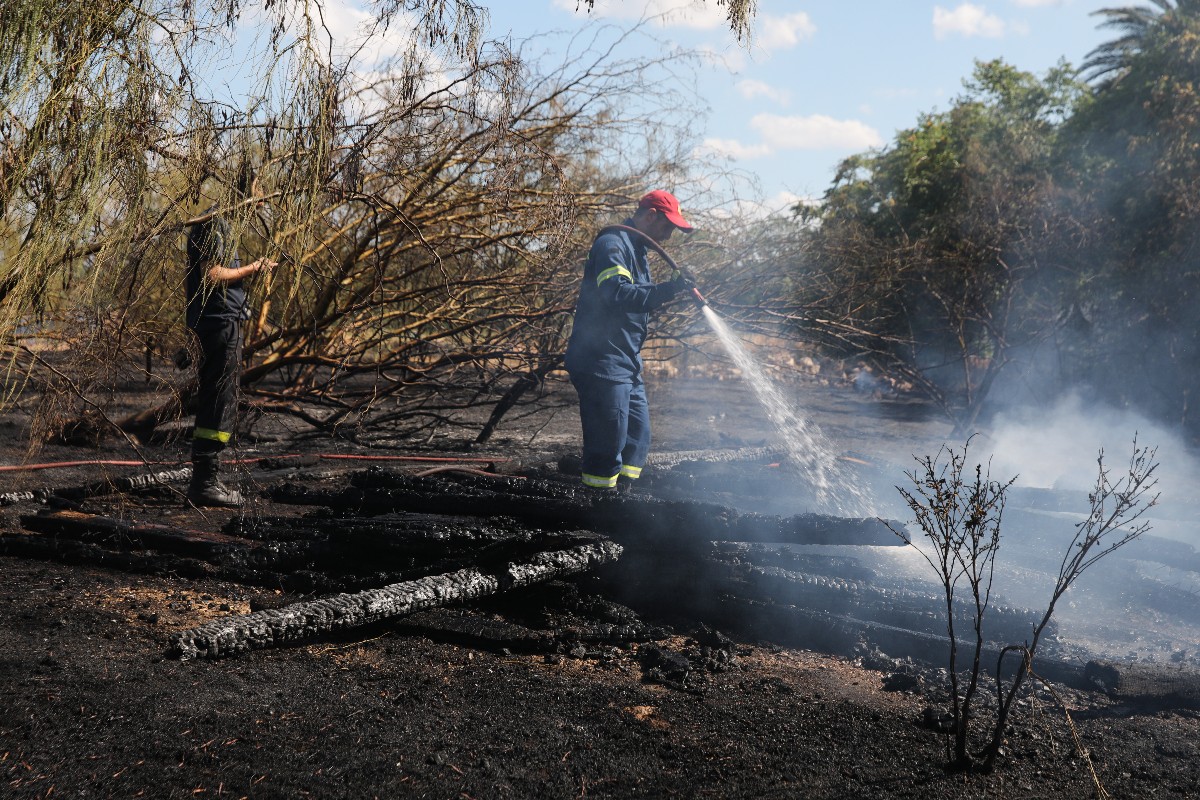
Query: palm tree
1111 61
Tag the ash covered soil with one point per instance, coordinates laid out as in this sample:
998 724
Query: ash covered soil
92 706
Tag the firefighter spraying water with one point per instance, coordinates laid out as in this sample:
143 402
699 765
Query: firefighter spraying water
604 361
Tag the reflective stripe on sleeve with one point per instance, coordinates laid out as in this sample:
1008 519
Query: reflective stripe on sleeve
612 272
598 482
214 436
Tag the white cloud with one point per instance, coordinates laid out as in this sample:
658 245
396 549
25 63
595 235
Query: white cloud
777 33
778 204
354 33
815 132
751 89
967 20
694 14
732 148
783 201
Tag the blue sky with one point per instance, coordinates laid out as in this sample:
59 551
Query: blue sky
828 78
819 80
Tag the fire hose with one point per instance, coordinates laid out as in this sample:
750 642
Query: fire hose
324 456
656 247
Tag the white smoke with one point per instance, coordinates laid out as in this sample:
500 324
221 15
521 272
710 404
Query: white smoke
1057 447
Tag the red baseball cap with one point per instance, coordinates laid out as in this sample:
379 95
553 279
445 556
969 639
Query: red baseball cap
665 203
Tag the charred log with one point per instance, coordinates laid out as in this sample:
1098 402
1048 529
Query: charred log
631 518
469 627
1146 684
305 620
131 535
70 551
337 556
108 486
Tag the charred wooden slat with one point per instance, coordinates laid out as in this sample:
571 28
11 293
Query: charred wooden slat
794 626
415 533
301 621
1146 684
1075 501
316 563
469 627
890 605
93 527
1175 554
782 556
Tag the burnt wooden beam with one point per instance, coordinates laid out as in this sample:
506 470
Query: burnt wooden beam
301 621
632 518
842 634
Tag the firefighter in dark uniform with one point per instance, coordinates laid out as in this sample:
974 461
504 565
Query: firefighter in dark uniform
604 352
216 308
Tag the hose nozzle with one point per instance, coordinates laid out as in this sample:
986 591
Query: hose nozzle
700 301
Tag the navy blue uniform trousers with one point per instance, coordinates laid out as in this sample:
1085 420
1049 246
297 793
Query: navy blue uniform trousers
616 429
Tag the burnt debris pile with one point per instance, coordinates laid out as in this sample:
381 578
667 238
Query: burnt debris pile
440 552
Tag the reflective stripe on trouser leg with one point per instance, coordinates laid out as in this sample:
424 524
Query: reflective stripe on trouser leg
637 433
604 414
217 382
599 482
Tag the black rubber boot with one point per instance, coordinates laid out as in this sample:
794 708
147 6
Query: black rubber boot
206 488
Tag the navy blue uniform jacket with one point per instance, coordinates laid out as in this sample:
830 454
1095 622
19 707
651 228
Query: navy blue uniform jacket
615 301
208 243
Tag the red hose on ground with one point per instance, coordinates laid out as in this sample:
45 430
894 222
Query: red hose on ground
92 463
327 456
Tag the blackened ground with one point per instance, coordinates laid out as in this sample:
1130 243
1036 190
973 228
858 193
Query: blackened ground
91 708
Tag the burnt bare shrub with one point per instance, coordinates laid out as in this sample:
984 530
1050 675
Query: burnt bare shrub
960 519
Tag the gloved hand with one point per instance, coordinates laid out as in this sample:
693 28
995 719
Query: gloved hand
682 282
